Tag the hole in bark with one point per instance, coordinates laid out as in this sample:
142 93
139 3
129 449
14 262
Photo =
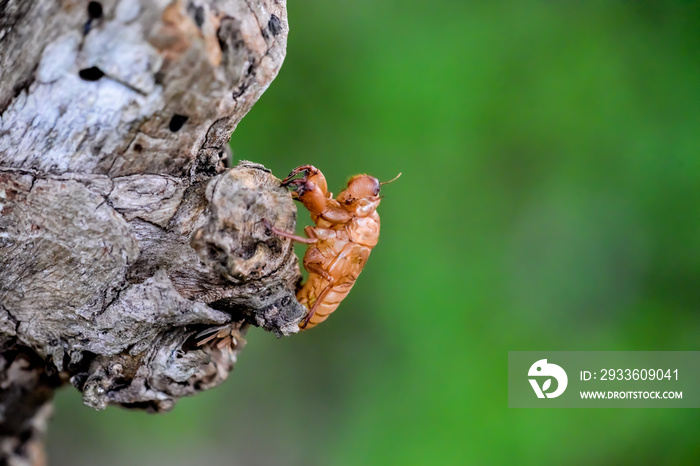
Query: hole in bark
236 311
274 25
147 406
248 250
197 13
138 147
274 244
251 68
119 384
23 437
176 122
239 92
95 10
23 85
79 379
91 74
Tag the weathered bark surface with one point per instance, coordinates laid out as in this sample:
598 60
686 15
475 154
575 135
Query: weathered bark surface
122 234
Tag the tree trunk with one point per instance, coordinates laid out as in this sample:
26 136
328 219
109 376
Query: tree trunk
123 237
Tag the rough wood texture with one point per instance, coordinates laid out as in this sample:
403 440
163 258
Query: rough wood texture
122 235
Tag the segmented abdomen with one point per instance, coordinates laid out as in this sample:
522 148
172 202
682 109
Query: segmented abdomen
344 262
307 296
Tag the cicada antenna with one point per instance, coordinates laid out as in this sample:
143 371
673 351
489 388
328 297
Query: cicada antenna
391 181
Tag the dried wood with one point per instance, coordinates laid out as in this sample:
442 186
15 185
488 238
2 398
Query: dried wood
123 235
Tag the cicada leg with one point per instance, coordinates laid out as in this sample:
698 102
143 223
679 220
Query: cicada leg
312 311
286 234
310 173
316 268
311 189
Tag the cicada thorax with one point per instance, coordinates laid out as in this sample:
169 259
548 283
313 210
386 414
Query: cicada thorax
364 230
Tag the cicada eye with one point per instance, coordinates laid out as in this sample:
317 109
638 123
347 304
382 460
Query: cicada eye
377 187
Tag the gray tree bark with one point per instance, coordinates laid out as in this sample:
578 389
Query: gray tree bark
124 240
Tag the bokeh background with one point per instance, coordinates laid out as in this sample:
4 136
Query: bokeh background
550 200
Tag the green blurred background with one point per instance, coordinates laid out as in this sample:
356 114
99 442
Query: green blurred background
550 200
